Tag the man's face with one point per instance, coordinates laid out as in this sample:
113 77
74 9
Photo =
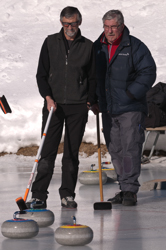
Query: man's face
112 30
71 30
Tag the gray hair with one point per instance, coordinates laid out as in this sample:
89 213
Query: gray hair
111 14
70 12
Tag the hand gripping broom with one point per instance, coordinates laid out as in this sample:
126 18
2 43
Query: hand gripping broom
20 201
100 205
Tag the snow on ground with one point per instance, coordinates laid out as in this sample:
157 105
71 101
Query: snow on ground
23 27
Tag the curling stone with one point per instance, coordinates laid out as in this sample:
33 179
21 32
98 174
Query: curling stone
91 177
109 171
43 217
19 228
74 235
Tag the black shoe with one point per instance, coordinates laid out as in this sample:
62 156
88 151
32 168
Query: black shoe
129 198
117 199
36 203
68 202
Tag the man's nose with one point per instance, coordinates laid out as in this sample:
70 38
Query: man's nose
110 29
70 27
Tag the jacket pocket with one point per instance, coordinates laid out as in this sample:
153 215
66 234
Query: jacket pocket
140 134
120 97
82 78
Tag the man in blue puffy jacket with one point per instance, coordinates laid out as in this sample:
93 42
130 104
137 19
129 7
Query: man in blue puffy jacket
125 72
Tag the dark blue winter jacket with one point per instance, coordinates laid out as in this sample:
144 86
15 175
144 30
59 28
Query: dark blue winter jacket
122 84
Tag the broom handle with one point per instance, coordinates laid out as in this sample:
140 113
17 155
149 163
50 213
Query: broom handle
99 157
38 154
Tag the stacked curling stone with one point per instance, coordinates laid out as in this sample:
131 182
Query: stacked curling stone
109 171
74 235
43 217
18 228
91 177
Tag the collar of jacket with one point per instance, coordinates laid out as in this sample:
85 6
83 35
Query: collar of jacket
125 37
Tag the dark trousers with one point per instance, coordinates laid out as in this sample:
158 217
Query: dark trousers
124 137
75 119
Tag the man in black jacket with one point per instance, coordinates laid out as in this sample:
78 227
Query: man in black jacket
66 81
125 71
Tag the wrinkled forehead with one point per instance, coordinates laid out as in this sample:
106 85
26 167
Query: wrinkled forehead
111 21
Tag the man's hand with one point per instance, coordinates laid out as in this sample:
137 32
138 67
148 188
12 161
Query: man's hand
94 108
51 103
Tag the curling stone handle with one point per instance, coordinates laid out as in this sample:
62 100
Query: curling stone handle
18 212
36 204
74 220
91 167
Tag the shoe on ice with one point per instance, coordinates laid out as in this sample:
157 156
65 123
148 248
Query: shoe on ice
36 203
68 202
117 199
129 198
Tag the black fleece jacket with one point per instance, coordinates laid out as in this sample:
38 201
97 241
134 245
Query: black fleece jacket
69 78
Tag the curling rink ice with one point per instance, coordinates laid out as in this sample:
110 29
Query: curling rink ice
142 227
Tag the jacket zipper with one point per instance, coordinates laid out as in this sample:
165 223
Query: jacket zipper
65 88
114 57
66 60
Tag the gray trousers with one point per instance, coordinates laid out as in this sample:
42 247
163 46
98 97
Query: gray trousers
124 135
